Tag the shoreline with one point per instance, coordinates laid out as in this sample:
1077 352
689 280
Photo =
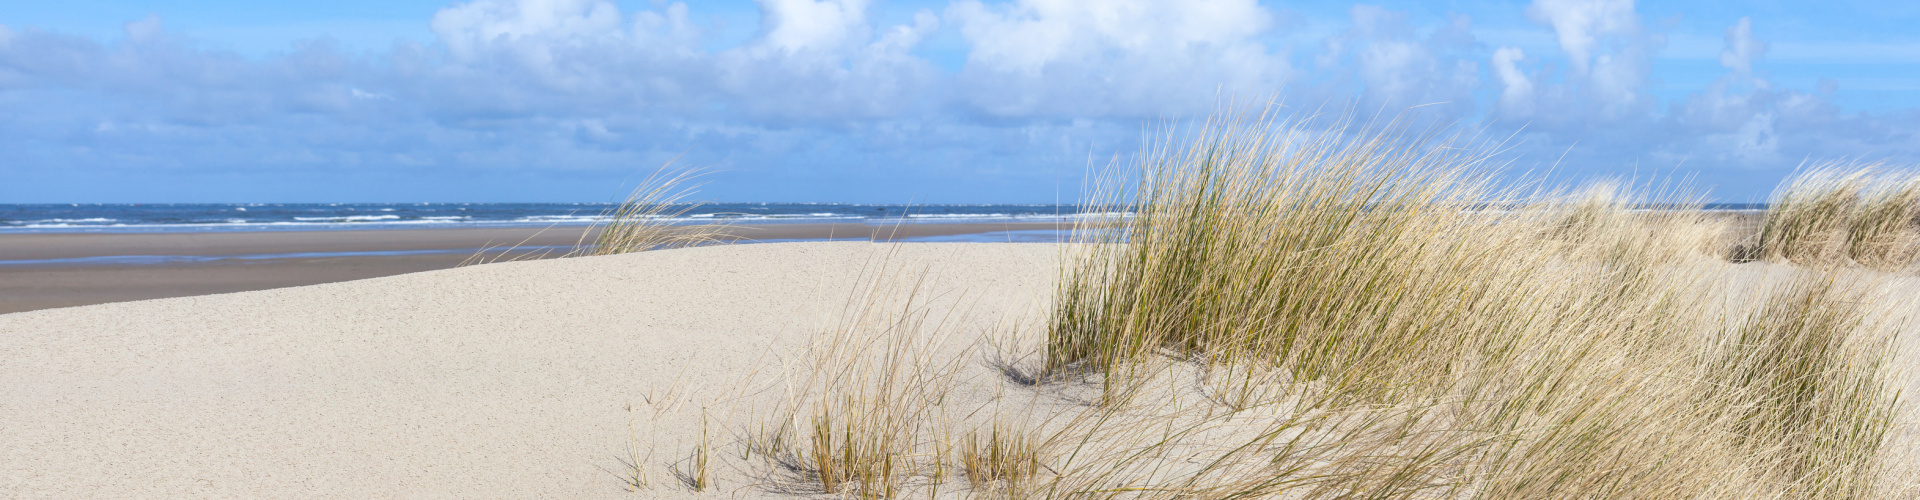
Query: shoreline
53 270
98 268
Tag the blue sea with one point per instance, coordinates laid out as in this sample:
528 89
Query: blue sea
239 217
230 217
246 217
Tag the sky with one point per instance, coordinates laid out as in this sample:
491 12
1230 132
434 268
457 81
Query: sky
926 101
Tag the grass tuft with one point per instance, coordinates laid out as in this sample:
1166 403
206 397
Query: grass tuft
643 221
1837 214
1006 459
1296 313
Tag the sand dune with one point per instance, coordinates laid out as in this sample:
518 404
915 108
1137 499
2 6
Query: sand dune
500 381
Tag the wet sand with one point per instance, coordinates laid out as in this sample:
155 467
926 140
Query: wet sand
247 261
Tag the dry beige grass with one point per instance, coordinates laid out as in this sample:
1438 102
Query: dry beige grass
641 222
1299 315
867 399
1390 340
1836 214
1291 314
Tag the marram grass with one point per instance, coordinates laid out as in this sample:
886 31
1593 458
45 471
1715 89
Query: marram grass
1296 314
1835 214
1460 347
640 222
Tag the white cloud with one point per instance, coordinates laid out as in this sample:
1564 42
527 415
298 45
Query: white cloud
814 59
821 59
1611 56
825 88
1581 24
1516 88
1742 49
469 29
1743 122
1721 108
1398 68
809 25
1114 57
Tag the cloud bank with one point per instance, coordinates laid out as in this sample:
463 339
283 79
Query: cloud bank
549 99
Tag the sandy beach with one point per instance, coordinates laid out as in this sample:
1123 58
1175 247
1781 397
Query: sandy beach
594 377
75 269
511 380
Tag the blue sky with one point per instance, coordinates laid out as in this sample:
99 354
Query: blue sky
949 101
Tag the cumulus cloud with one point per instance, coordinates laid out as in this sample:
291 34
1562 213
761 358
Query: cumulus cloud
1134 58
814 59
1516 88
469 29
809 25
1395 67
825 91
1581 25
556 56
1610 56
822 59
1739 128
1742 49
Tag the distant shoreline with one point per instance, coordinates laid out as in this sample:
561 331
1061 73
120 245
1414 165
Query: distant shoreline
42 270
49 270
296 217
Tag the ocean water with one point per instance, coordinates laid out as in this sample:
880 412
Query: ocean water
227 217
152 218
232 217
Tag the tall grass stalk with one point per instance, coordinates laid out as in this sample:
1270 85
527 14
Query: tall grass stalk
1295 313
1389 325
1814 398
640 222
1280 247
1835 214
862 415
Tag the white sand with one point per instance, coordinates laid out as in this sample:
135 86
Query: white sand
521 380
498 381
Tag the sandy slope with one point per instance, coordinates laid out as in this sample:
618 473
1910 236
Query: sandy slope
499 381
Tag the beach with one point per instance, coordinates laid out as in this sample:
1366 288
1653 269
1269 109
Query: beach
512 380
712 371
48 270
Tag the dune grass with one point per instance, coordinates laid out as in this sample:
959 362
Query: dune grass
1290 313
1809 395
1836 214
1559 347
862 414
640 222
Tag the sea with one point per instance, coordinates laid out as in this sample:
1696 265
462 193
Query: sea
255 217
243 217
